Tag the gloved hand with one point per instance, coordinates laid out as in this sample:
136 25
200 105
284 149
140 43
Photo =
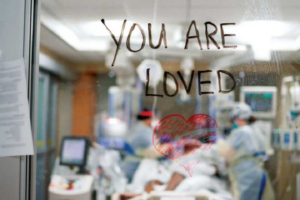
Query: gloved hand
150 153
224 149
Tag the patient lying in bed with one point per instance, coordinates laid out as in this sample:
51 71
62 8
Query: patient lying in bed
192 172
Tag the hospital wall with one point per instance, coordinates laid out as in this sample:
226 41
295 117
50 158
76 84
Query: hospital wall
84 105
65 111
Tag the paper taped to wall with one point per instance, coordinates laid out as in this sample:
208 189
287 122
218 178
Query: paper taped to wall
15 128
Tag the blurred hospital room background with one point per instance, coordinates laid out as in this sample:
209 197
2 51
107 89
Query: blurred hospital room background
83 101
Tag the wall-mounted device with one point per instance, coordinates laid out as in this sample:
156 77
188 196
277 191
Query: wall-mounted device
262 100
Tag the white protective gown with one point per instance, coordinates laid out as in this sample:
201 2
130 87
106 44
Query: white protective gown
248 179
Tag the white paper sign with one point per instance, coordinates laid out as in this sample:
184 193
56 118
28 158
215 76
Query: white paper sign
15 129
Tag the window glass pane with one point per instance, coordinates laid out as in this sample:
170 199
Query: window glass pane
195 96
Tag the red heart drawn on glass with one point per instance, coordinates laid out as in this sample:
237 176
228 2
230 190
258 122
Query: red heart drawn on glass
174 136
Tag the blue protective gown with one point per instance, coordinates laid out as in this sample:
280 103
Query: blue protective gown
140 137
246 172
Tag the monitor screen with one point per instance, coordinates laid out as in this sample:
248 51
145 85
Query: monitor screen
74 151
262 100
259 102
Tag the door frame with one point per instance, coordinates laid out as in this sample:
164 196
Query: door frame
31 57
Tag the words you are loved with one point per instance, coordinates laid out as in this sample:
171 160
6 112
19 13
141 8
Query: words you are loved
163 39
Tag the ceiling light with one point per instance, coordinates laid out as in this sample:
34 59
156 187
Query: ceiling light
93 45
97 28
249 29
259 35
66 34
284 45
261 48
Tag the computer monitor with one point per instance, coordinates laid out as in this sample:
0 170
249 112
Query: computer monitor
262 100
74 151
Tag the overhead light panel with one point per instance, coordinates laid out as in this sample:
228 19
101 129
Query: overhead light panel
67 35
249 29
97 28
261 34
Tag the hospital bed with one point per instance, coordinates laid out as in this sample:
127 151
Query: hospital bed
173 195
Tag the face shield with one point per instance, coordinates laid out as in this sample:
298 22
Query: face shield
241 111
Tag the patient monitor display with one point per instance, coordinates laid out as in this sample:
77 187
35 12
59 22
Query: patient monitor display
262 100
74 151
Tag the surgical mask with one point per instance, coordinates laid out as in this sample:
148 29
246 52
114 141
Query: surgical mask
235 125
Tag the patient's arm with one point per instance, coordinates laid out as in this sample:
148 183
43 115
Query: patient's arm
150 186
175 181
125 196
